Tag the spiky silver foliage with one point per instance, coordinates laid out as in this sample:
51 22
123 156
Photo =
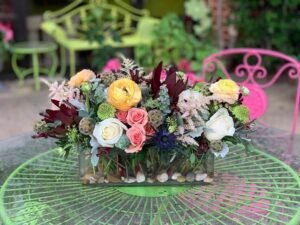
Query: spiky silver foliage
130 65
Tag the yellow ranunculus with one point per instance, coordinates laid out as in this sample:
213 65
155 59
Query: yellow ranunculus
123 94
81 77
225 90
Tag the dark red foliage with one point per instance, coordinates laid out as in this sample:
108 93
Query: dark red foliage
175 86
155 82
135 76
240 99
102 151
67 115
203 146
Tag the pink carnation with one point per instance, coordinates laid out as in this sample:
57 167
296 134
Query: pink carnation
112 65
8 33
184 65
137 116
137 137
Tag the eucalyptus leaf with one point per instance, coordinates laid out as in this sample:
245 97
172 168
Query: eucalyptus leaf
83 113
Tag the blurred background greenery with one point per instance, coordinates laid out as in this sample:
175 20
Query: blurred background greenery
189 29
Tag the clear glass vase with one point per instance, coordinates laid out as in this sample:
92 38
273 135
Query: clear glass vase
210 164
178 173
85 166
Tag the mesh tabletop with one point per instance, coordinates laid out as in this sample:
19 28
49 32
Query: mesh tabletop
253 188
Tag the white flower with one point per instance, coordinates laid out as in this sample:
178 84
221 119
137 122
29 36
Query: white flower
223 152
245 91
219 125
108 132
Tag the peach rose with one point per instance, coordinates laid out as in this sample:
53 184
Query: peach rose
81 77
121 115
137 137
137 116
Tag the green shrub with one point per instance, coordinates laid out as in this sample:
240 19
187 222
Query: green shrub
271 24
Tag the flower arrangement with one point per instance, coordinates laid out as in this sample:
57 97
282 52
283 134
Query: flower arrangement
138 128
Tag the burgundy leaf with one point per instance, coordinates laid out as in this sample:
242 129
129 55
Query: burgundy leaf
59 115
171 83
155 83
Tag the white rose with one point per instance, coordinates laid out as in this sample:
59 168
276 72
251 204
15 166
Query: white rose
219 125
108 132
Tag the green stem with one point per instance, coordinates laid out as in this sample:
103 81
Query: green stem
87 103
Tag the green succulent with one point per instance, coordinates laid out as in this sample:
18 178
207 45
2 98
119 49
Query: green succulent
86 87
216 145
241 113
123 142
172 124
106 111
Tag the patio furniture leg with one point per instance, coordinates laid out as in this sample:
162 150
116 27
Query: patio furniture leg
16 69
63 61
54 65
35 65
72 62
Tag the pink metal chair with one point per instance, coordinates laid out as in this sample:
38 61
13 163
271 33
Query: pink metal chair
247 66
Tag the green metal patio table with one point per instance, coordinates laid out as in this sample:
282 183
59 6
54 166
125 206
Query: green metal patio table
34 49
249 188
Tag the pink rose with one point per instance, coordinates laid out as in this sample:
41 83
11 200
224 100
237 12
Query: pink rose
121 115
137 116
137 137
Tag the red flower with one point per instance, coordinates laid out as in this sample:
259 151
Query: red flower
122 116
149 130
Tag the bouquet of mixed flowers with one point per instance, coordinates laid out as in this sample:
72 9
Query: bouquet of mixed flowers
137 128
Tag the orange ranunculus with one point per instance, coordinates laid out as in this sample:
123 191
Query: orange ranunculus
81 77
123 94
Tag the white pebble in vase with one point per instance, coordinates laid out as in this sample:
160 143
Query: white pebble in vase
163 177
200 176
129 180
175 175
140 177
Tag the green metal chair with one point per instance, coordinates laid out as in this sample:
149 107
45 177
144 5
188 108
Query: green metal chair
61 26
